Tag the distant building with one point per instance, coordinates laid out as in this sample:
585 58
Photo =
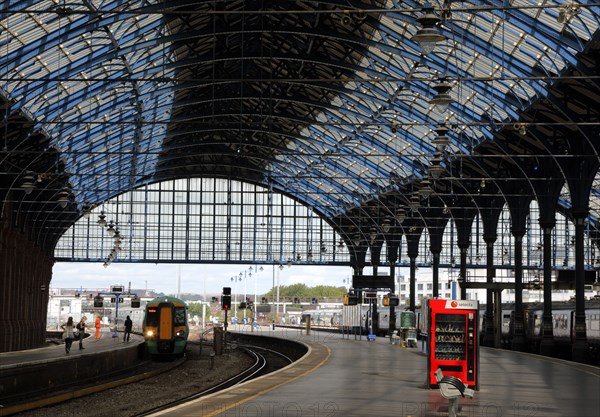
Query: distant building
77 302
449 288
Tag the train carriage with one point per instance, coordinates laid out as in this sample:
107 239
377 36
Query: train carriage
165 326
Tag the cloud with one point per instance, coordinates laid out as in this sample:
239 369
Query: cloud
192 278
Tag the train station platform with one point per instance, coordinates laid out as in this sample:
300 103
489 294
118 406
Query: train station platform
31 372
347 377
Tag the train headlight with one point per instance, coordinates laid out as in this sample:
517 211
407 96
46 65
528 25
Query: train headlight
149 333
180 333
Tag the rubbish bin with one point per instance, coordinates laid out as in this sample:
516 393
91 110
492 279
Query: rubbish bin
218 340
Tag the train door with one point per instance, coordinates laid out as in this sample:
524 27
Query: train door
383 323
166 322
531 323
511 325
572 332
594 330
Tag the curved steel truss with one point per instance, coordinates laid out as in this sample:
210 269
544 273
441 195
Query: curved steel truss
327 102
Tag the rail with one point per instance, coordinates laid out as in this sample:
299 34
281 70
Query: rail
254 370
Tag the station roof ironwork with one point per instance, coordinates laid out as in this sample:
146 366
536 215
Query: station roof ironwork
336 104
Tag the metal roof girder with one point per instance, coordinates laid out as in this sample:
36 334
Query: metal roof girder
35 89
330 183
557 106
353 95
175 143
541 32
123 118
207 100
95 131
74 30
589 70
95 59
313 130
350 174
59 108
439 65
479 46
375 143
88 92
299 184
366 163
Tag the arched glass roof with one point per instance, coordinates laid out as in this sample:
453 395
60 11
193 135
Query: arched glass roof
202 220
89 81
329 102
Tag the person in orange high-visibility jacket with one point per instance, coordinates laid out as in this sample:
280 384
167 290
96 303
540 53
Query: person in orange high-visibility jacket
98 327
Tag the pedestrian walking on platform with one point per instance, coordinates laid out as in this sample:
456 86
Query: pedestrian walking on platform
98 326
68 334
81 330
128 327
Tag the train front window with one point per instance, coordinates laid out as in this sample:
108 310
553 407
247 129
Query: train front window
152 318
179 319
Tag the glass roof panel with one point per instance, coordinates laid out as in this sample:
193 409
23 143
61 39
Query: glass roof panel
68 69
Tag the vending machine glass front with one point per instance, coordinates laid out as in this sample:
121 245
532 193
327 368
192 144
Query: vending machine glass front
450 331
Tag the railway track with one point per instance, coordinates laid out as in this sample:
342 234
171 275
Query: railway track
58 394
143 395
257 369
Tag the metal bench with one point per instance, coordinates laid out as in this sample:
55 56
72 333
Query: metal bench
452 388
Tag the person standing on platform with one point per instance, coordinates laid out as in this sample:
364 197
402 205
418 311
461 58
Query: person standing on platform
81 329
68 334
128 327
98 326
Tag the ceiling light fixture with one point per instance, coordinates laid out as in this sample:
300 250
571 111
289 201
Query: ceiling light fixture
429 35
373 234
28 184
63 198
436 168
86 211
425 191
111 228
521 128
414 202
567 12
400 215
441 141
386 225
442 99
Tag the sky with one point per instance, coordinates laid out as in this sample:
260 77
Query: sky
193 278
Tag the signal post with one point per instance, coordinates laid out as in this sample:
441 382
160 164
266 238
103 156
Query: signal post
226 306
116 291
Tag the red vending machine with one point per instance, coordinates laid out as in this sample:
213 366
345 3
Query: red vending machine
453 340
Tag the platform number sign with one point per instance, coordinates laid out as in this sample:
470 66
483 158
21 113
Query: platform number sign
370 295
